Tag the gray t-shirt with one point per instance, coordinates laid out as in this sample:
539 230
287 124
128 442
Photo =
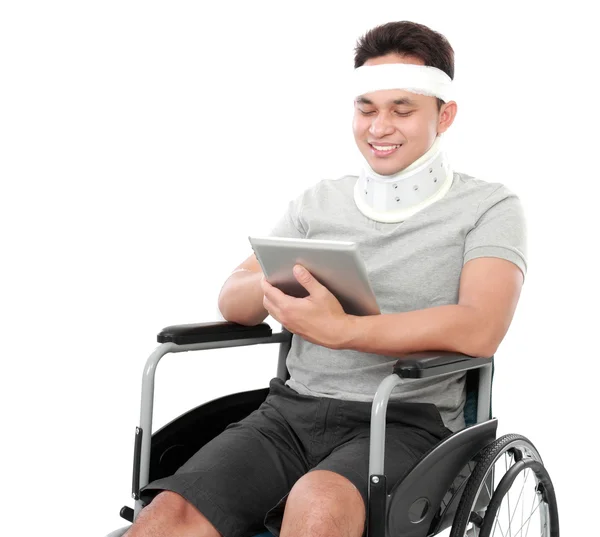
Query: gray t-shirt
412 265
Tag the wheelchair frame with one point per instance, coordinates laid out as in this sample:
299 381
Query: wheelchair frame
437 480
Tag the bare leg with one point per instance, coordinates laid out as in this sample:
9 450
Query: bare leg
170 514
323 504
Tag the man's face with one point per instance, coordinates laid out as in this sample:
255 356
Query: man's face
414 123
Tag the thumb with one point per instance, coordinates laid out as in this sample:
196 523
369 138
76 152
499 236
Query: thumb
306 278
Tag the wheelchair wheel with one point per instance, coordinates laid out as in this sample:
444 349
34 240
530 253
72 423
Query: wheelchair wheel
508 493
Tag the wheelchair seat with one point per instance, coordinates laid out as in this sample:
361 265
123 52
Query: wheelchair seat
460 483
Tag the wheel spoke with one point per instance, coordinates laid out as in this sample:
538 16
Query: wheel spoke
517 505
497 521
532 502
487 488
508 511
508 505
523 502
523 530
529 520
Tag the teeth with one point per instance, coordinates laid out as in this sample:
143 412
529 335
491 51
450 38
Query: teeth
385 148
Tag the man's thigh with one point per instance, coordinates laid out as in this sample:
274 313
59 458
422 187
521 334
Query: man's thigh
404 447
239 475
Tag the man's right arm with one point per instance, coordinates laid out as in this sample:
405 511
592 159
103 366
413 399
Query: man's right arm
241 297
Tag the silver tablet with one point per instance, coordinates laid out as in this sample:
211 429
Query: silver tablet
335 264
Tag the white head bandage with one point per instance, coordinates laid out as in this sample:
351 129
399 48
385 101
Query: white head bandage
422 79
394 198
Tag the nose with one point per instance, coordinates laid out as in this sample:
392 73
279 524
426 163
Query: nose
381 126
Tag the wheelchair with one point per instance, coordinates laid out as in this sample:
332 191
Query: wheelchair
465 482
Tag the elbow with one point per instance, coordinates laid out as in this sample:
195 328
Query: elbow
480 351
487 351
241 317
226 314
488 345
221 308
483 340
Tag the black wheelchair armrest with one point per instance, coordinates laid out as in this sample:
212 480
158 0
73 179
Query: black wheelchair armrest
431 363
186 334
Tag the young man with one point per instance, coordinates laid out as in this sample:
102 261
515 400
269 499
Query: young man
445 253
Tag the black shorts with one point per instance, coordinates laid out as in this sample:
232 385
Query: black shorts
240 479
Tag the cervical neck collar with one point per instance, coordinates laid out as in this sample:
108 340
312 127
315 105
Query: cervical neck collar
394 198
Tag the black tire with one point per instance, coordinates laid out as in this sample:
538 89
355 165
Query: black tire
525 455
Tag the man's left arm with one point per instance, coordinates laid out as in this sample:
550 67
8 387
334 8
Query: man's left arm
493 272
489 292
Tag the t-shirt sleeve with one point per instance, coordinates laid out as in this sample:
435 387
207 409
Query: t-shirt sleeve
290 223
500 229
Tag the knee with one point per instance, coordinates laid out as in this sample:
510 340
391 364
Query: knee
168 504
323 499
324 486
169 509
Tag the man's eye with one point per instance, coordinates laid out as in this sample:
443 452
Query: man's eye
399 113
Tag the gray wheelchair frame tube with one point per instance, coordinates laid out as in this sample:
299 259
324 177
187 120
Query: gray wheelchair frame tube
147 403
378 412
379 408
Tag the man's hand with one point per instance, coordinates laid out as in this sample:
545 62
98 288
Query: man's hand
318 318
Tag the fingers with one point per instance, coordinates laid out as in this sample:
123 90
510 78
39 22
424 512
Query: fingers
272 292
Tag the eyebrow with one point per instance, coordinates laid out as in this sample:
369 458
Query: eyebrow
403 100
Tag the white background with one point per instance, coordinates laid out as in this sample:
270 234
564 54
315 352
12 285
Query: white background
142 142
